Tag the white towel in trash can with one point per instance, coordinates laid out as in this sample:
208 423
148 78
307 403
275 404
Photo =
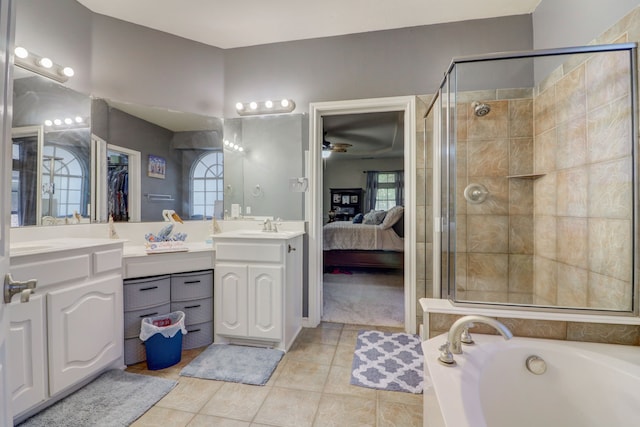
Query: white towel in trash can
153 325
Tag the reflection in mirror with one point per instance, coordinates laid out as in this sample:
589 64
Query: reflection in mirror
51 172
551 139
181 162
257 179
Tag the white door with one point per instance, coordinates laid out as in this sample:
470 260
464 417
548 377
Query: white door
7 15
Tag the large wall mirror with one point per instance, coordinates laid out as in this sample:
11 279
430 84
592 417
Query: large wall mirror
51 168
151 159
538 179
258 177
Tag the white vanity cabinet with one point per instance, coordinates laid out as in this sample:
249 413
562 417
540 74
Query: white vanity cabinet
258 290
27 353
71 328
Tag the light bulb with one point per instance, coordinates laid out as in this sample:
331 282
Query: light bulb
235 146
79 119
68 121
253 105
226 142
48 122
240 149
284 103
239 106
45 62
68 71
21 52
268 104
326 154
57 122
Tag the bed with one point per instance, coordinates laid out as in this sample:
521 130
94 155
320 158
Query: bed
371 245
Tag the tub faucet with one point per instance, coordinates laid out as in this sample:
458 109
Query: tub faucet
460 328
460 325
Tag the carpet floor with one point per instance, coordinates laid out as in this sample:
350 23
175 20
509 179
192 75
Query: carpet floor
364 298
114 399
234 363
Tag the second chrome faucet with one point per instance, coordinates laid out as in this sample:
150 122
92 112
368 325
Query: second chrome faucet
460 329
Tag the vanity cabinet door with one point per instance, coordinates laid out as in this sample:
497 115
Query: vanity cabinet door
85 330
230 306
27 354
265 302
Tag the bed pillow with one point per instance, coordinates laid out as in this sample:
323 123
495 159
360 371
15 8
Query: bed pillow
374 217
358 219
393 215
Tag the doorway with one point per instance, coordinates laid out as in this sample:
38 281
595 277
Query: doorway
406 105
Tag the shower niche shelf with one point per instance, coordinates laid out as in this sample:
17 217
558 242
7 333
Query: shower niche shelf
526 176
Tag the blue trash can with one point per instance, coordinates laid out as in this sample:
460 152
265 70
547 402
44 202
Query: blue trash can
162 336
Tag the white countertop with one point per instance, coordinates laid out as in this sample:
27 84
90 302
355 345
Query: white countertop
258 234
44 246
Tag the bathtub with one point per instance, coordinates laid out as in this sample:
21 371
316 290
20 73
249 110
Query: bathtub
585 384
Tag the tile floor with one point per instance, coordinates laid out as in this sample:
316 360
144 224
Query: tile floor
310 387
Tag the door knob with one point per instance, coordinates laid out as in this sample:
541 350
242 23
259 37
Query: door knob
12 287
291 248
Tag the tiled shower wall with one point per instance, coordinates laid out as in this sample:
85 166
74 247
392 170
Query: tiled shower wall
583 203
628 28
424 205
494 239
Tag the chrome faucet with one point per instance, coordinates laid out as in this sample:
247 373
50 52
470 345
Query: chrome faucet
459 333
269 226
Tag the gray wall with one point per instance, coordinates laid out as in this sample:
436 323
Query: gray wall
562 23
122 61
61 30
400 62
143 66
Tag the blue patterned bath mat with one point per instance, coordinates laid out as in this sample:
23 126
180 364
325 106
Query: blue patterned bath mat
388 361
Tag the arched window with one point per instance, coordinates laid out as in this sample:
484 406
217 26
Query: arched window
207 188
62 182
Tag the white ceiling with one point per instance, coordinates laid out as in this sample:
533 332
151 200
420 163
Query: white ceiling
236 23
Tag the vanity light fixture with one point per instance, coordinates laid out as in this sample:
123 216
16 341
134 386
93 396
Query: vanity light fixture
66 123
41 65
233 146
265 107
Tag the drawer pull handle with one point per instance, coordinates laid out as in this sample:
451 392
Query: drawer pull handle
148 315
192 306
149 288
291 248
190 282
193 330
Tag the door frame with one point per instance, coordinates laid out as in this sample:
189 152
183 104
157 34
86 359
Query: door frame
7 33
317 110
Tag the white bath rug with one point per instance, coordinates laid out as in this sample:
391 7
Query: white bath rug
388 361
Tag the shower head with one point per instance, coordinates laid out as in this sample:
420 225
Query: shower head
480 109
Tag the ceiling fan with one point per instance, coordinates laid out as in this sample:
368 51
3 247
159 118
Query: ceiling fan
337 147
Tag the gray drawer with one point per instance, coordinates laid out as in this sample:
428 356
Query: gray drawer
195 311
134 351
132 319
198 335
147 292
188 286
